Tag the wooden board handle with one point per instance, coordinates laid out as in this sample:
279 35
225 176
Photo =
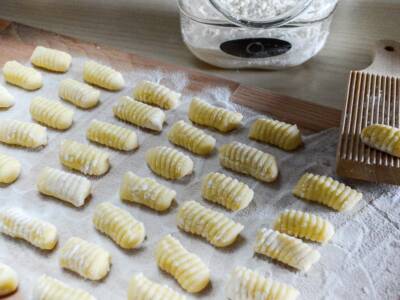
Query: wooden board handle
386 59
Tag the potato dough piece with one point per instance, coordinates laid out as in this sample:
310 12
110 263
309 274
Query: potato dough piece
25 134
226 191
112 135
304 225
6 99
51 59
139 114
141 288
382 137
8 280
245 284
84 158
119 225
51 113
283 135
168 162
191 138
15 223
327 191
102 76
48 288
10 168
24 77
67 187
146 191
216 228
156 94
78 93
186 267
248 160
202 113
286 249
87 259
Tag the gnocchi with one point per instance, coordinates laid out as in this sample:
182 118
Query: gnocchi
6 99
102 76
24 134
78 93
156 94
22 76
187 268
8 280
10 169
382 137
51 59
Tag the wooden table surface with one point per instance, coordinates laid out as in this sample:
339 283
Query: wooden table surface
151 27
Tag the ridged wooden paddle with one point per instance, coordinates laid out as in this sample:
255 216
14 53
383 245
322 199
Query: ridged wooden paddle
373 97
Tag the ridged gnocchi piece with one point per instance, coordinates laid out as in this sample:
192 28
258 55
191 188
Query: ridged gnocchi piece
24 134
304 225
247 160
10 168
146 191
213 226
327 191
17 224
64 186
226 191
86 259
51 113
156 94
202 113
51 59
6 99
286 249
382 137
283 135
191 138
168 162
78 93
112 136
119 225
22 76
142 288
8 280
49 288
102 76
139 114
246 284
187 268
84 158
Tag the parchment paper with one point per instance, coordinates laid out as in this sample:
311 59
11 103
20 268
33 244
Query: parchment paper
361 262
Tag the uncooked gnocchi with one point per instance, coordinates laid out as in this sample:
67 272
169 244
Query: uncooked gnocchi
119 225
17 224
8 280
156 94
10 168
202 113
86 259
67 187
248 160
142 288
168 162
226 191
22 76
304 225
215 227
51 59
146 191
245 284
6 99
191 138
102 76
139 114
286 249
51 113
112 136
84 158
24 134
187 268
382 137
327 191
78 93
283 135
49 288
